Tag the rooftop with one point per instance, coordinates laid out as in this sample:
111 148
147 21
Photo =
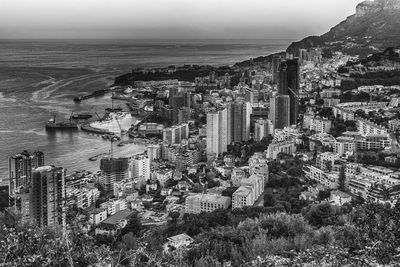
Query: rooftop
340 194
118 217
179 237
242 191
96 211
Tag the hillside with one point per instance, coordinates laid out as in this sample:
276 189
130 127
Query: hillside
374 27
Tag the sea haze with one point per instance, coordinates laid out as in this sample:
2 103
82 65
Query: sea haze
39 78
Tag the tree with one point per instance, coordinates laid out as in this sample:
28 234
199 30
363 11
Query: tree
342 178
324 194
133 226
269 200
197 188
174 216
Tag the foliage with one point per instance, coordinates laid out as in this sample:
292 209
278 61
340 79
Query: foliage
342 179
133 226
323 235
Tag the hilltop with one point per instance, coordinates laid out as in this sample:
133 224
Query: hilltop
374 27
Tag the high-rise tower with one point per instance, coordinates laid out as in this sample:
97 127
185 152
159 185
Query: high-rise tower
280 111
47 196
20 168
217 132
238 120
113 170
289 84
293 83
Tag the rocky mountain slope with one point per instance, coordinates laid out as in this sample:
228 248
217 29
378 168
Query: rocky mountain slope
374 27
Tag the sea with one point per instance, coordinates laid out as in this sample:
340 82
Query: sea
40 78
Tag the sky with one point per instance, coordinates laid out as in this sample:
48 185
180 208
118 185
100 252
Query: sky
186 19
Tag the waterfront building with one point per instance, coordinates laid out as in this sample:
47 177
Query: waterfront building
150 129
20 167
47 196
112 170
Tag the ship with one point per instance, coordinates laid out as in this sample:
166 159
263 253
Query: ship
94 94
117 109
81 116
64 125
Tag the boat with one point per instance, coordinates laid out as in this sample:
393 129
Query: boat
81 116
94 130
111 137
94 158
118 109
94 94
51 124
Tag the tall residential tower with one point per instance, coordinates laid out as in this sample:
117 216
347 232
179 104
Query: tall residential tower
217 132
47 196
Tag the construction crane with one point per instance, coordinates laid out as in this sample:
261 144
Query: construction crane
119 125
112 139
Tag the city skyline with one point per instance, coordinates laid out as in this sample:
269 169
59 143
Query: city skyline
200 152
201 19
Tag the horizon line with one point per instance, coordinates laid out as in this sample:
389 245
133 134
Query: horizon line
155 38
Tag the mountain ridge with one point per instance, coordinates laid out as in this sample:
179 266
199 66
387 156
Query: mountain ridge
374 27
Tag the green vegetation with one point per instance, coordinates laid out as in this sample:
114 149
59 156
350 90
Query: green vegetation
376 158
322 235
386 78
